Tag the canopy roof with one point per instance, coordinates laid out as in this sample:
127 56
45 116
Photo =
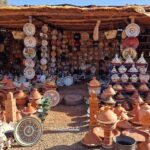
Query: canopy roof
72 17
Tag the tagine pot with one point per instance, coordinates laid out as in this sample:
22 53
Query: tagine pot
29 110
21 98
147 99
34 96
119 110
110 91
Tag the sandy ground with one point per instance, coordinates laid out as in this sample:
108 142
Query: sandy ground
65 126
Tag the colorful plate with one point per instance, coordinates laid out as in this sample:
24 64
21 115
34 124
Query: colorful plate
132 30
30 41
29 29
28 131
29 73
129 51
130 42
29 53
29 62
53 96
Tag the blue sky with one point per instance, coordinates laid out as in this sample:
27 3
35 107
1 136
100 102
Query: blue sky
79 2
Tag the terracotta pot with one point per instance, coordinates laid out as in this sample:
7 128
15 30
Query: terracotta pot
10 86
34 95
20 97
106 116
119 110
135 95
138 99
29 110
143 88
117 87
5 79
144 115
147 99
124 124
130 88
110 91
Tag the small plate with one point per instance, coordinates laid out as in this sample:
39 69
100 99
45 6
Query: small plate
29 29
29 53
29 73
30 41
29 62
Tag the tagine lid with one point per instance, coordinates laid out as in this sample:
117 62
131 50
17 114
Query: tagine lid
29 109
91 139
119 109
94 83
138 99
114 70
129 60
141 60
117 87
119 96
106 116
35 94
110 91
143 87
22 87
130 87
116 60
20 95
133 69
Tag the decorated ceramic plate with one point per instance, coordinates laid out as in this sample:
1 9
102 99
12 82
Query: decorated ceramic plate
29 53
44 42
132 30
43 61
29 29
30 41
53 96
28 131
131 42
29 73
129 51
29 62
45 28
43 67
44 48
44 55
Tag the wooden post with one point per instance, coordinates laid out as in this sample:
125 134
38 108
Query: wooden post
10 108
93 109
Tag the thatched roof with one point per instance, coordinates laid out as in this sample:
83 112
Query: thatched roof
72 17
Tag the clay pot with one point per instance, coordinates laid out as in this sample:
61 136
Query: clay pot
18 115
124 124
110 91
143 88
135 95
20 97
119 96
130 88
94 83
34 95
144 145
117 87
91 139
22 87
144 115
119 110
5 79
29 110
106 116
138 99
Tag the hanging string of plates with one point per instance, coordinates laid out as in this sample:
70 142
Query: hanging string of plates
29 51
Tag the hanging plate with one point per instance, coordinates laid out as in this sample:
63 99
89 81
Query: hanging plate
30 41
28 131
44 42
43 61
29 29
129 51
29 62
132 30
29 73
53 96
43 67
44 55
131 42
29 52
44 48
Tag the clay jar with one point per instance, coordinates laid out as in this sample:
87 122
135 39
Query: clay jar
144 115
10 87
20 97
110 91
34 96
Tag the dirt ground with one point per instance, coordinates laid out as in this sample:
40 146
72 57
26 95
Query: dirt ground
65 126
